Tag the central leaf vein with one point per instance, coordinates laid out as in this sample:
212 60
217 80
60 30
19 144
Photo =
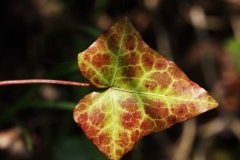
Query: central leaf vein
120 47
164 96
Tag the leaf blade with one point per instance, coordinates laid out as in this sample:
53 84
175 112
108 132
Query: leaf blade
145 92
115 128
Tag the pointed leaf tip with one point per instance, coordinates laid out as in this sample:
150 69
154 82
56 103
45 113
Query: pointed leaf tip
144 93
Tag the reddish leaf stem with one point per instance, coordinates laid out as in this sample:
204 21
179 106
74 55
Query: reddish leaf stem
38 81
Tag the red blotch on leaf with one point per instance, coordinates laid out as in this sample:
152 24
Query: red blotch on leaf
130 105
193 109
160 124
156 109
95 80
160 64
147 126
90 72
97 118
92 50
87 56
180 110
163 79
123 139
132 71
119 152
101 45
150 85
135 136
130 121
129 42
82 106
104 139
91 131
171 119
141 45
148 60
112 41
105 70
132 58
99 60
83 117
130 117
180 88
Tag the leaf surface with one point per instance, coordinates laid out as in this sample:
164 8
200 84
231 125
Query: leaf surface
144 92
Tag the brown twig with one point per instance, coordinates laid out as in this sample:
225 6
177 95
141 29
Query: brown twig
38 81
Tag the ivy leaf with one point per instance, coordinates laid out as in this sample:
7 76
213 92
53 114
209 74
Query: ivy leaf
144 92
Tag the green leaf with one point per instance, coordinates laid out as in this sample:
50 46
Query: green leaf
144 93
232 45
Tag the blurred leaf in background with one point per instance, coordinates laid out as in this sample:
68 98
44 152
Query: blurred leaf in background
232 45
76 148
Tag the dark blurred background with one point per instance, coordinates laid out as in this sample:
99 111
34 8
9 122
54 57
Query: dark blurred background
42 38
